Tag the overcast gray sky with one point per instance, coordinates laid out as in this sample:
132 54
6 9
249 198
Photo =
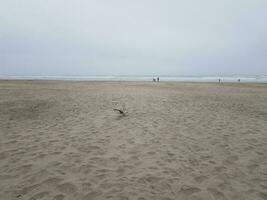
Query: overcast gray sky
133 37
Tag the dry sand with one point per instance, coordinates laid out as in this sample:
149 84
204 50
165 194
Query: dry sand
62 140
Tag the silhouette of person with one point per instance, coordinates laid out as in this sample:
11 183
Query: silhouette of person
158 79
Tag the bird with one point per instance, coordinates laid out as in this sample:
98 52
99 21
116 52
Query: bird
120 111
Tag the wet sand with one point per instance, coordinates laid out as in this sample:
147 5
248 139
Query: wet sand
198 141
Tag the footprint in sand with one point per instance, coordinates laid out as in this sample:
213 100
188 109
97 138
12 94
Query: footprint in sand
29 189
220 169
141 198
216 194
200 179
51 181
40 195
59 197
188 190
86 186
67 188
91 195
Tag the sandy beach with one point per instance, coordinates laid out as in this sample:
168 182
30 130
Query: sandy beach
197 141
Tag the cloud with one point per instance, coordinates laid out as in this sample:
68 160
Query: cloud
65 37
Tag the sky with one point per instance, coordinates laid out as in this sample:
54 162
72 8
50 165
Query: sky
133 37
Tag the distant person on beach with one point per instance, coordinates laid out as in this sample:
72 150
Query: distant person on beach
238 80
219 80
158 79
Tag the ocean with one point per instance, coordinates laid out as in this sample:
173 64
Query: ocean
229 79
